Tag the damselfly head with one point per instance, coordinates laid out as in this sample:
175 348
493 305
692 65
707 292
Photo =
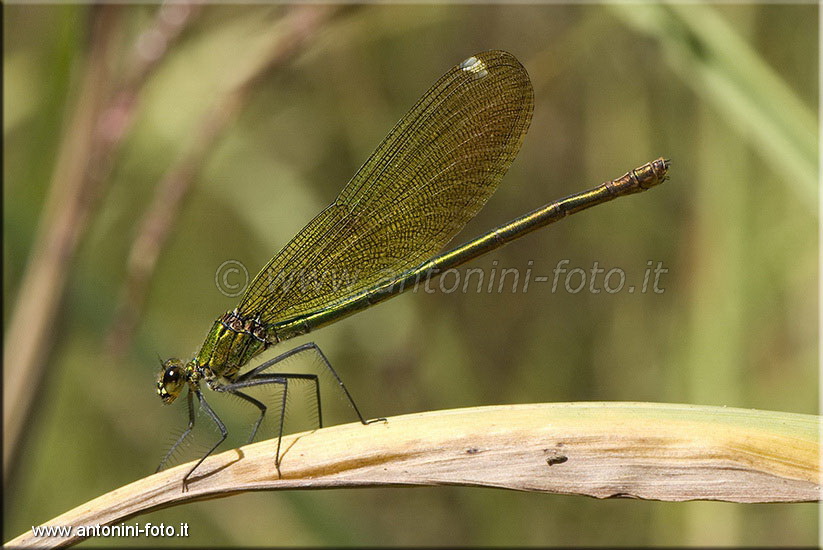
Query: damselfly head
171 380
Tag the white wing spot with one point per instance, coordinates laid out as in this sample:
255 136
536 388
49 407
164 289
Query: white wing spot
475 67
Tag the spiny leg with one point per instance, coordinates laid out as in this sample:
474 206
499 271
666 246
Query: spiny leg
283 379
223 434
310 346
257 404
182 437
256 377
282 423
257 380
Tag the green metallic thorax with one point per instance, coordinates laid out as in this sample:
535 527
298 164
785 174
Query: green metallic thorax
231 343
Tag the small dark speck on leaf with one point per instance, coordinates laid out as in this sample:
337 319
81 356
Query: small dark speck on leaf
558 459
472 451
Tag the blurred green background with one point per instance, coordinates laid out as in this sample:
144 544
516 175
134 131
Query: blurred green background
728 92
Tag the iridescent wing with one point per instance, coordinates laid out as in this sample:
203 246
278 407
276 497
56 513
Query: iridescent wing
424 182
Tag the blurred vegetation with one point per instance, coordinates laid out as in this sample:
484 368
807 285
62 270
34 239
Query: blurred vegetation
729 93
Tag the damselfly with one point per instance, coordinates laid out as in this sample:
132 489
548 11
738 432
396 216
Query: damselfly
424 182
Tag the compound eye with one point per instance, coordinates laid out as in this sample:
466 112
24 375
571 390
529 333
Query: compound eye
172 375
